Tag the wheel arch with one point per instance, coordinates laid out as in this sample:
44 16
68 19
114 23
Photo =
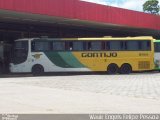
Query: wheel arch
112 64
37 65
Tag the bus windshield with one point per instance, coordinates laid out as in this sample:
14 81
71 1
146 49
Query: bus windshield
20 52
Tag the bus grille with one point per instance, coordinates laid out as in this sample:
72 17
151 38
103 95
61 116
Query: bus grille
144 65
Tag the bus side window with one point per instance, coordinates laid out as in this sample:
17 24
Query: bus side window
78 45
42 46
149 45
37 46
122 45
58 46
107 45
92 45
96 45
115 45
145 45
89 47
132 45
103 45
125 45
69 45
85 45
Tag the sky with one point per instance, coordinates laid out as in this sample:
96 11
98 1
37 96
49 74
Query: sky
136 5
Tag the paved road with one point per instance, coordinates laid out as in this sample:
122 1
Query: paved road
135 93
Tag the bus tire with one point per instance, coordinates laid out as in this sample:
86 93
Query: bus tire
37 70
112 68
125 69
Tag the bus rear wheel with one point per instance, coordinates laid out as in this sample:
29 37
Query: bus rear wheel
37 70
125 69
112 69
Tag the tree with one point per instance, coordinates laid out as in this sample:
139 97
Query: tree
151 6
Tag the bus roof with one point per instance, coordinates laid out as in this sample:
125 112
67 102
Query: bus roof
120 38
26 39
95 38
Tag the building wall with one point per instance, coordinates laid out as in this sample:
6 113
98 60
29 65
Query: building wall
75 9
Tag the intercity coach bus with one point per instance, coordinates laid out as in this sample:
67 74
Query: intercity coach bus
113 55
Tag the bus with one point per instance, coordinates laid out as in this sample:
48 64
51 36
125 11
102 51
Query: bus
110 54
157 54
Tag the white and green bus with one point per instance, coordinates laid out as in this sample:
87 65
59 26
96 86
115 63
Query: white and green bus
157 54
113 55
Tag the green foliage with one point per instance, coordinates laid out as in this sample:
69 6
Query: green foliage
151 6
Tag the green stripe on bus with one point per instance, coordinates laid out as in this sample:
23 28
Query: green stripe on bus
157 68
64 59
70 59
55 58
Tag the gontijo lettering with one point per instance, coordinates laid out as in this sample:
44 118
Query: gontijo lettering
111 54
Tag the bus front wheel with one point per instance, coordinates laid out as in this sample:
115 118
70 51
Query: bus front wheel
37 70
112 69
125 69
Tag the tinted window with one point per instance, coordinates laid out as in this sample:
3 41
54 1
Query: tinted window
114 45
41 46
96 45
78 45
138 45
87 45
20 52
145 45
69 45
132 45
157 47
72 45
59 45
107 45
103 45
